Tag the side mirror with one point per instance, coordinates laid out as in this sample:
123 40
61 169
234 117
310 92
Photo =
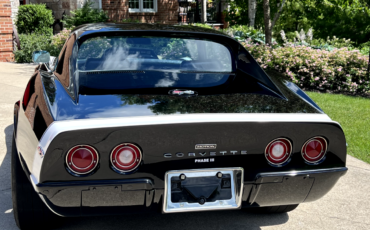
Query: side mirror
40 57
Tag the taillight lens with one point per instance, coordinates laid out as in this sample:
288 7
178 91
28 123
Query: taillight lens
278 151
314 150
126 157
82 159
27 95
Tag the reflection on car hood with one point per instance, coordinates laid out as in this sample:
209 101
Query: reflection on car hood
128 105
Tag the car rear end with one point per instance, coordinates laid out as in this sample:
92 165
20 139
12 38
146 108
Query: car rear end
186 163
177 122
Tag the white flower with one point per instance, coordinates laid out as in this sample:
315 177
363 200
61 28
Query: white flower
282 33
309 34
302 35
297 35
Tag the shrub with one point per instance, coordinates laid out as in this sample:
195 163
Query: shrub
36 42
34 18
241 32
57 42
130 20
340 70
29 44
306 39
365 48
85 15
203 25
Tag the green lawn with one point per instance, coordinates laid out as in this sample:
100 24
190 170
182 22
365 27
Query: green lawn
353 113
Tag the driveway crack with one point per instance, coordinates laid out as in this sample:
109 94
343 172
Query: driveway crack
5 189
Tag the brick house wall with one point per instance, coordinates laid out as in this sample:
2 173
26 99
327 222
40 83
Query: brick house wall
167 11
6 31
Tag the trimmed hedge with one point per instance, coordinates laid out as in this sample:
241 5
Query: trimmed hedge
34 18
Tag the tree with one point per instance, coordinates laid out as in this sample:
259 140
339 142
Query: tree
252 8
204 11
267 19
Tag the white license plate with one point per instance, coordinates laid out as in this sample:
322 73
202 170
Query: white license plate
236 185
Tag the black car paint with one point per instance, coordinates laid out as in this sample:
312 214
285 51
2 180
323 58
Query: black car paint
252 137
129 196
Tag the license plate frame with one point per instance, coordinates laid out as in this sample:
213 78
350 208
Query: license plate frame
237 178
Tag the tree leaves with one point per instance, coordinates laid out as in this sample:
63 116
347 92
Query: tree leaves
342 18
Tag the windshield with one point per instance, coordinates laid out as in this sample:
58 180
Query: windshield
145 53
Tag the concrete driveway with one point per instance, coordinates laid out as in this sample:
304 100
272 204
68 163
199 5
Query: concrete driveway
347 206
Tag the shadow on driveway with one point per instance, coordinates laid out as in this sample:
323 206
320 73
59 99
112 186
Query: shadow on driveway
197 220
5 182
6 212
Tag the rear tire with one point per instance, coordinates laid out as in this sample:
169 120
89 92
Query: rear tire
29 210
273 209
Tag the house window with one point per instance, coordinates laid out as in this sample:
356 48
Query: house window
142 5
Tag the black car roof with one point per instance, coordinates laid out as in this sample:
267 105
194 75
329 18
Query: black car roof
112 27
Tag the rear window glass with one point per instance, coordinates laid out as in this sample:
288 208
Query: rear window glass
153 53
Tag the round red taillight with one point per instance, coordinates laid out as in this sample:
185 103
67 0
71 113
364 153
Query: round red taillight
314 150
125 157
82 159
278 151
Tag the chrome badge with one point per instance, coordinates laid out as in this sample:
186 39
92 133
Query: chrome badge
40 152
205 146
182 92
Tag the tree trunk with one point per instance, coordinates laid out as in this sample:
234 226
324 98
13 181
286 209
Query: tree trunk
196 16
267 20
252 8
204 11
277 15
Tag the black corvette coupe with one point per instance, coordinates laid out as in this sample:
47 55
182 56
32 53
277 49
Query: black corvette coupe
147 117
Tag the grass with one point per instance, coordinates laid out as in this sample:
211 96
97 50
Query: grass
353 113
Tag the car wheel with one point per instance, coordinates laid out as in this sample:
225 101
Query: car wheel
273 209
29 210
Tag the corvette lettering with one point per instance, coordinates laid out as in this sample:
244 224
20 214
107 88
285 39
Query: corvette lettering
206 153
